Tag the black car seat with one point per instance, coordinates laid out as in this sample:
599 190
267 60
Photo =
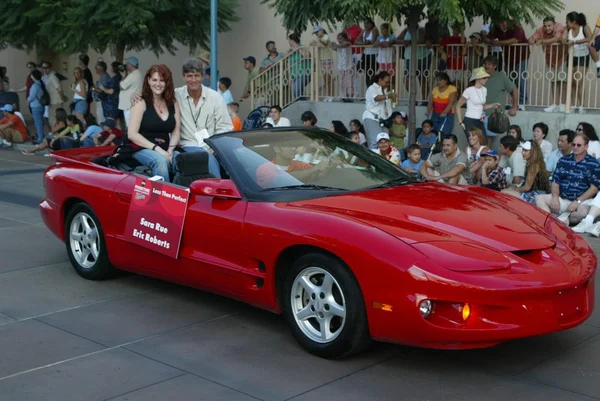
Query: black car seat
192 166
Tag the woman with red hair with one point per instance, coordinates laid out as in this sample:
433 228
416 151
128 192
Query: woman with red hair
154 123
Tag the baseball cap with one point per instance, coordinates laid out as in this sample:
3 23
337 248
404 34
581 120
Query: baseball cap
133 61
475 35
317 28
383 135
250 59
8 107
526 145
109 123
490 152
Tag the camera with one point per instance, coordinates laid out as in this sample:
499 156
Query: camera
122 68
386 123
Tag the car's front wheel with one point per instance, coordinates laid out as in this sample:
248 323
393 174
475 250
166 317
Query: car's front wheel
85 244
323 304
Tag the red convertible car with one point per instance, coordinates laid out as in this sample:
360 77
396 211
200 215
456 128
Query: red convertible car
347 246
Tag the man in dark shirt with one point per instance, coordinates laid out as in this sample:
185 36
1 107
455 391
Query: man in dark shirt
84 60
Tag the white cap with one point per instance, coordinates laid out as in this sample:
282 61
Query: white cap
383 135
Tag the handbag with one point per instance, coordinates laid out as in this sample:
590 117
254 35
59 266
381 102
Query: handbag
498 122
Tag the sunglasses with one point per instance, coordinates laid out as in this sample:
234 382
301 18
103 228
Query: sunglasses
577 145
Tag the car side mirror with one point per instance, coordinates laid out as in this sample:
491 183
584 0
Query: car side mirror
216 188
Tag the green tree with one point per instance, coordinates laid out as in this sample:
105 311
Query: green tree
298 14
71 26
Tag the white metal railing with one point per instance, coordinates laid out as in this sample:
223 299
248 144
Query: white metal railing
544 74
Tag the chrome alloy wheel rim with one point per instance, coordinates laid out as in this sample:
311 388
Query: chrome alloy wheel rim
318 305
85 240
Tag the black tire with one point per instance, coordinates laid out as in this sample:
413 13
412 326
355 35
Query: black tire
353 335
97 268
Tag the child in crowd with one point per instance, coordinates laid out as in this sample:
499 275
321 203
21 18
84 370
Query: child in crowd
93 129
398 130
110 135
413 163
385 149
233 109
64 139
492 175
224 85
345 65
354 137
427 138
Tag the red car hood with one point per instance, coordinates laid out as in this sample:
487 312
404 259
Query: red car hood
432 212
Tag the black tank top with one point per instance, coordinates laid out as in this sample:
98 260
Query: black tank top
155 129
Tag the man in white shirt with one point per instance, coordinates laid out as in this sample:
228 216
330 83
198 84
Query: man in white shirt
54 88
131 83
275 118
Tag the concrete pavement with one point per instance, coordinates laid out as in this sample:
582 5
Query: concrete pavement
133 338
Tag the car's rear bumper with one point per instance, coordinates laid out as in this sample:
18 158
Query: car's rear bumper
51 216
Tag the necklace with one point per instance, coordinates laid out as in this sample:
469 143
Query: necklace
160 106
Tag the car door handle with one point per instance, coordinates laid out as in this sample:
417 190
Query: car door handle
123 197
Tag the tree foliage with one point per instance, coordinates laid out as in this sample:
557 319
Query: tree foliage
71 26
297 15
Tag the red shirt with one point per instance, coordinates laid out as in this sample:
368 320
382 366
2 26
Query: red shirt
28 84
513 55
455 55
116 132
353 33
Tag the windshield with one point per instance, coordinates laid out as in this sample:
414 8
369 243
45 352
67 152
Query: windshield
303 159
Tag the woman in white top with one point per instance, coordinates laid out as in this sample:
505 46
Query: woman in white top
368 62
378 106
578 35
79 88
385 54
594 145
474 96
345 65
540 131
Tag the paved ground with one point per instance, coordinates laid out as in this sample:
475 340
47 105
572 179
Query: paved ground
64 338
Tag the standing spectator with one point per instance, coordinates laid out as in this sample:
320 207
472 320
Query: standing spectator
299 62
368 61
110 93
4 80
576 180
540 132
549 36
378 106
492 175
424 57
512 37
54 88
453 52
345 65
537 181
36 94
12 128
273 56
474 151
578 35
385 149
594 146
496 50
224 85
204 58
475 52
498 86
97 93
131 83
322 43
276 119
84 61
512 160
31 66
447 166
233 109
398 131
155 123
565 137
595 48
354 32
385 55
250 66
475 97
441 104
79 106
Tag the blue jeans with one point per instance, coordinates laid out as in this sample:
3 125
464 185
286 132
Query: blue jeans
87 143
298 85
213 163
438 122
38 120
158 163
520 81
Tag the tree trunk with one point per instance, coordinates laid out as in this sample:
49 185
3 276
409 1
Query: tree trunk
118 51
413 18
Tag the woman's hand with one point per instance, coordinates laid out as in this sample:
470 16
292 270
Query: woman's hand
163 152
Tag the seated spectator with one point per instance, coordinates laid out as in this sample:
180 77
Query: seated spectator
224 85
492 175
267 125
66 138
537 180
233 109
398 130
110 136
447 166
385 149
515 132
474 151
575 182
587 225
354 136
275 118
427 138
12 128
308 119
540 132
338 127
594 145
356 125
512 160
93 129
413 163
565 137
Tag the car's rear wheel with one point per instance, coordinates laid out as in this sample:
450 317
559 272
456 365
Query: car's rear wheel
85 244
323 304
